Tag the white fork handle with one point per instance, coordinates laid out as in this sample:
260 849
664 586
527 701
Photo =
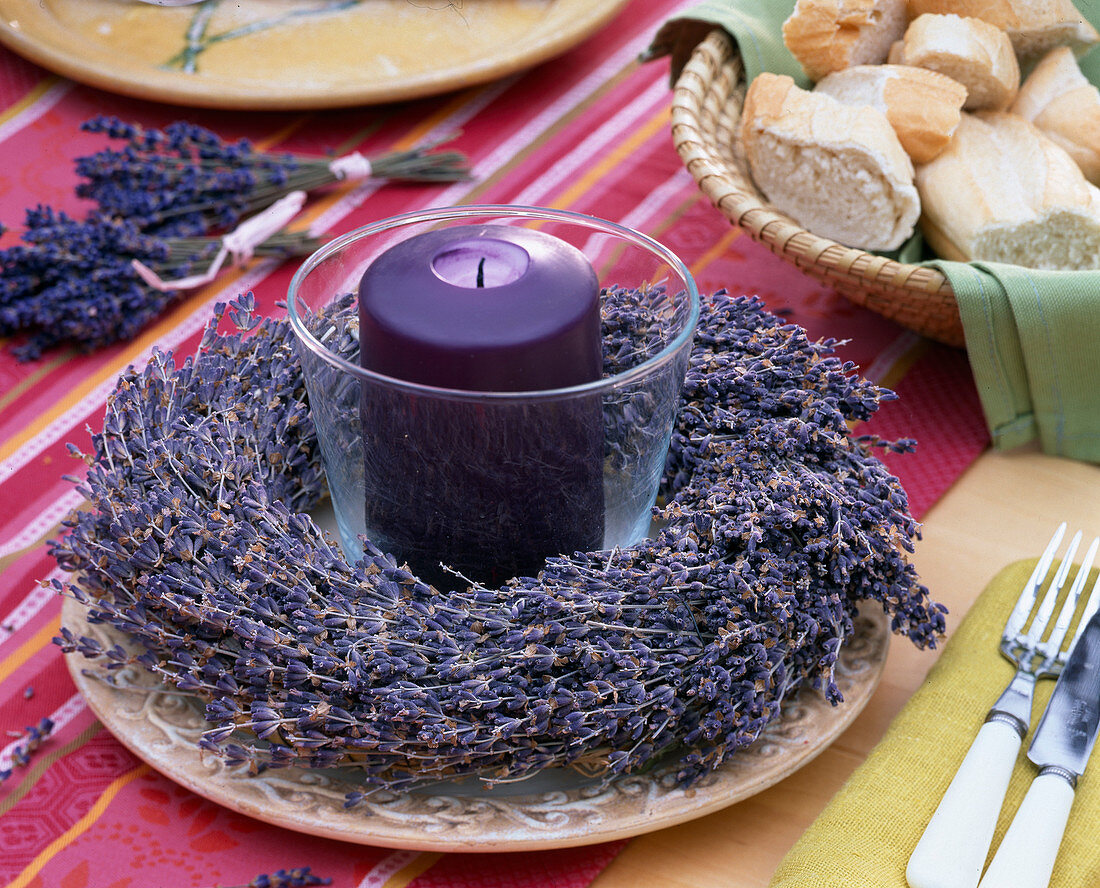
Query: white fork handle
956 841
1025 857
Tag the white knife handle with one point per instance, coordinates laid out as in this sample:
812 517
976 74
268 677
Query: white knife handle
956 841
1025 857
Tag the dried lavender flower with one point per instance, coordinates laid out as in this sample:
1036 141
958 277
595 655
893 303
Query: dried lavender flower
30 740
185 180
777 524
299 877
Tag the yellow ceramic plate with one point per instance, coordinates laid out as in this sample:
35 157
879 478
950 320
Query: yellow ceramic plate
289 54
553 810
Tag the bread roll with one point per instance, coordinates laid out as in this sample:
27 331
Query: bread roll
973 52
838 170
1058 99
922 106
1004 192
1033 26
828 35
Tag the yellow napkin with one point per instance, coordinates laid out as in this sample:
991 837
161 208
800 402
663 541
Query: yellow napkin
864 836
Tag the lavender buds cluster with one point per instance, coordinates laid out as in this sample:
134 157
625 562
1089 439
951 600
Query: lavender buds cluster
777 523
73 281
298 877
185 180
29 741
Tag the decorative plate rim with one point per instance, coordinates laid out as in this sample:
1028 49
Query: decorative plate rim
40 40
161 729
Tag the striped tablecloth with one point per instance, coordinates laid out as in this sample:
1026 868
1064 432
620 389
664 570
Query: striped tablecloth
588 132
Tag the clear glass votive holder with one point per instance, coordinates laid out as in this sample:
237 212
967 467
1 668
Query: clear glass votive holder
490 483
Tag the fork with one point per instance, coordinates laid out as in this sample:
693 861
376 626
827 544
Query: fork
956 841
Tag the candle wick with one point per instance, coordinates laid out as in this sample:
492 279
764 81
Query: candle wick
481 272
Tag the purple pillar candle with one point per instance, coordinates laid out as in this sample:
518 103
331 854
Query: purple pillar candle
491 486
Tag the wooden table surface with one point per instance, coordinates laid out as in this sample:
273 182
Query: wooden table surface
1004 508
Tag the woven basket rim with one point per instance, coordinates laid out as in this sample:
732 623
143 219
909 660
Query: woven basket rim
706 106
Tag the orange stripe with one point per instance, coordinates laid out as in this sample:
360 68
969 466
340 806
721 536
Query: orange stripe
41 765
360 136
283 134
623 150
79 828
716 251
412 870
181 310
52 534
36 93
31 380
905 362
677 213
29 648
419 132
553 128
656 230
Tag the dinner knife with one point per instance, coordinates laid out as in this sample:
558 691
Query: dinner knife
1061 748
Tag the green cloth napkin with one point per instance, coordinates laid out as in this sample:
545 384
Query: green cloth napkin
754 24
1033 340
866 833
1032 337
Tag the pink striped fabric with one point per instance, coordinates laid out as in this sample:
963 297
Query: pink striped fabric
588 132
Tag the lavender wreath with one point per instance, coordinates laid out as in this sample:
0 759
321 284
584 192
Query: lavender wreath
198 545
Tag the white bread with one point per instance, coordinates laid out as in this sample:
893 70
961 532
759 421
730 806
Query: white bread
1033 26
1004 192
837 170
973 52
1058 99
828 35
922 106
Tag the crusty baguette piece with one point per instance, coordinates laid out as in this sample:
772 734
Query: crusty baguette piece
828 35
837 170
973 52
1058 99
1033 26
922 106
1004 192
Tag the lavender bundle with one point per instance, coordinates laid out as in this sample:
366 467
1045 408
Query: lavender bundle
74 281
185 180
777 524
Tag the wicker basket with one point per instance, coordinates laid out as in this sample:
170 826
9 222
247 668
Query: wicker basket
706 106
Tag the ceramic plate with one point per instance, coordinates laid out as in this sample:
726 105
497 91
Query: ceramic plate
557 810
288 54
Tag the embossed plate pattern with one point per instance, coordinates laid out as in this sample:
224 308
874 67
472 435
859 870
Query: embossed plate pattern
293 54
559 811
